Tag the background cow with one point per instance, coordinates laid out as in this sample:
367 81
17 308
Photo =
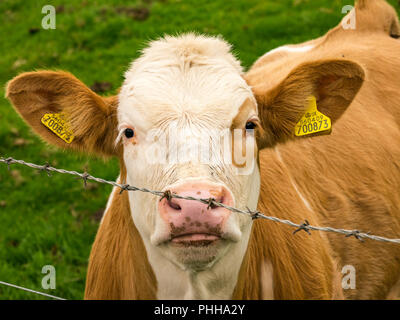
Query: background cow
146 248
349 179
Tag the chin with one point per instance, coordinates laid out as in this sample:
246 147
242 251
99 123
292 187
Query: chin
197 254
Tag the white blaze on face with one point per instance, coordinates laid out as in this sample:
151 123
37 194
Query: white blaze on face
193 85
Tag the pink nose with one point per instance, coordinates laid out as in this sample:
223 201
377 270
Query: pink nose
192 220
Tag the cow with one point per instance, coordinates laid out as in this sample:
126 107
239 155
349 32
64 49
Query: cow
149 247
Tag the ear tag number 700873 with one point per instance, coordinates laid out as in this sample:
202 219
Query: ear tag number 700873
313 121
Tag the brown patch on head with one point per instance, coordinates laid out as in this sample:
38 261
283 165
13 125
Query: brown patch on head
239 122
243 114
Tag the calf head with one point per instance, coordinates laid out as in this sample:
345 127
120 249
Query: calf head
178 106
186 121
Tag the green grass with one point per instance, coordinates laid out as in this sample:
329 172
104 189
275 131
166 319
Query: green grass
50 220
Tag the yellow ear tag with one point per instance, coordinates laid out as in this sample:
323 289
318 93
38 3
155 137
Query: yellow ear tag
313 121
58 124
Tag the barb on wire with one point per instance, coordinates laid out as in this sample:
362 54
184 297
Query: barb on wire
85 178
46 169
30 290
8 161
254 215
304 226
124 187
167 195
355 234
211 202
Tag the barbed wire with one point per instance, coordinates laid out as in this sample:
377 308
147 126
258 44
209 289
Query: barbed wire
305 226
30 290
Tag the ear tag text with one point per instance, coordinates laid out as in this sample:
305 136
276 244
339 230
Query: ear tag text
58 124
313 121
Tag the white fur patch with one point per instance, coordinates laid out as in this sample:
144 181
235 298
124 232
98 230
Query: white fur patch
290 49
109 201
267 281
302 197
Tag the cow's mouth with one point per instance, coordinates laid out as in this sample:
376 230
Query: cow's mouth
195 239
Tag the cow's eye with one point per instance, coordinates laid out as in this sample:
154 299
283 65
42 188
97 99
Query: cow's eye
129 133
250 125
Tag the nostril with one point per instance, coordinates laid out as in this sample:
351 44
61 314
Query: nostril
174 205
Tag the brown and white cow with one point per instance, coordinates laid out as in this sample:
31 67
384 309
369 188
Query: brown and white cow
179 249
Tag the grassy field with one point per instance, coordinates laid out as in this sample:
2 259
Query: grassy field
53 220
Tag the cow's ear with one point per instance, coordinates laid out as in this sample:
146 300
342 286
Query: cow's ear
334 84
50 100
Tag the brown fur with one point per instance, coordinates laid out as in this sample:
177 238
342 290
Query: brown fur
303 265
351 178
383 18
118 264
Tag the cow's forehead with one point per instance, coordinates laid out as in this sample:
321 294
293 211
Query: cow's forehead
191 77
